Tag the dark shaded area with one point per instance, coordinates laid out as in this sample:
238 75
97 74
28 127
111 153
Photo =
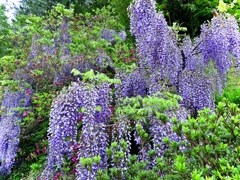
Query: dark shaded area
188 13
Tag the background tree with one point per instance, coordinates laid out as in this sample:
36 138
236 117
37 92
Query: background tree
4 32
40 8
189 13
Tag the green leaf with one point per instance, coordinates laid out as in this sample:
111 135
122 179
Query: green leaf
222 7
98 108
81 110
76 72
89 75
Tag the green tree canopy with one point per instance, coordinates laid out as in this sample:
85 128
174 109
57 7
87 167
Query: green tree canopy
189 13
40 7
4 32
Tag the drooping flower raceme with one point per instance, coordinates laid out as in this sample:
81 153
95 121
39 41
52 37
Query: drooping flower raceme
133 84
168 60
92 103
220 39
94 138
121 131
196 90
62 132
10 127
143 19
214 47
207 61
156 43
220 43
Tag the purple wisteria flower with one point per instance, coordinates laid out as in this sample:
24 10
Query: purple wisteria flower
156 43
90 104
62 132
94 137
196 90
133 84
10 127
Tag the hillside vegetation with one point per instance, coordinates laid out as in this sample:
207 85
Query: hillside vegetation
91 92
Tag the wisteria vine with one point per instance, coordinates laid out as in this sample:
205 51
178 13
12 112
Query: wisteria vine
81 114
90 105
169 62
10 122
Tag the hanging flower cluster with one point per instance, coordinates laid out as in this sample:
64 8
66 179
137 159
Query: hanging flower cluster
165 60
207 61
94 137
10 127
220 41
156 43
90 104
196 90
62 126
133 84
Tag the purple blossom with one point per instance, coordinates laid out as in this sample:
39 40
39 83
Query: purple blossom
196 90
62 130
28 91
156 43
220 40
121 132
108 35
93 101
10 128
24 113
94 138
133 84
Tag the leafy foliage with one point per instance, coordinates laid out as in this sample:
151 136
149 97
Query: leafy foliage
5 33
40 8
211 147
190 14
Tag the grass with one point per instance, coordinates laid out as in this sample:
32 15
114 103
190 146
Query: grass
232 89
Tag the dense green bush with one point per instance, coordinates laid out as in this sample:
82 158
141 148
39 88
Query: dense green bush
211 147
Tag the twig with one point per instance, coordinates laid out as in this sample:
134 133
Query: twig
196 46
